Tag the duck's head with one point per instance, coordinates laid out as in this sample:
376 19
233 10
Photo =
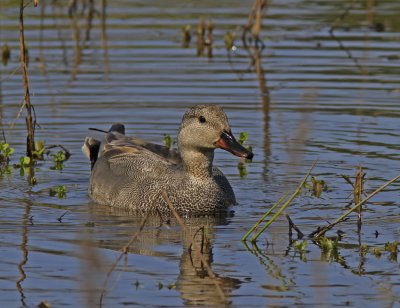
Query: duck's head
205 128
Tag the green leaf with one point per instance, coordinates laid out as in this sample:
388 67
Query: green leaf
243 136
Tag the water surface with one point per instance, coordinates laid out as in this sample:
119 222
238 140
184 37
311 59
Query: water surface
322 105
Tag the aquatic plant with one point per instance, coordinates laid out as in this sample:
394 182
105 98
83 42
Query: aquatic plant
278 212
30 125
300 248
242 169
25 166
168 141
60 191
5 54
393 249
318 186
5 152
60 157
39 150
186 36
321 231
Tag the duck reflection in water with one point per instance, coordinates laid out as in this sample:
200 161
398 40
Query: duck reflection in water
193 281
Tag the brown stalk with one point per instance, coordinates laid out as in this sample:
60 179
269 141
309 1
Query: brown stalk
104 35
210 28
358 191
89 19
292 225
196 246
30 141
201 30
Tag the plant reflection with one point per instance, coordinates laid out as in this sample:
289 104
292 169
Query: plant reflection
26 219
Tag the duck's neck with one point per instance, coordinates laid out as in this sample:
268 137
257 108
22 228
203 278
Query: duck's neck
197 163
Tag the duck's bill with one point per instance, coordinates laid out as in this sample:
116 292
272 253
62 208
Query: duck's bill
228 142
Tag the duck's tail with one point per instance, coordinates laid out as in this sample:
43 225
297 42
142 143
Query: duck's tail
91 148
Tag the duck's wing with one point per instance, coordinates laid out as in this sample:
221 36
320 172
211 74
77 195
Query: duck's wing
116 139
133 162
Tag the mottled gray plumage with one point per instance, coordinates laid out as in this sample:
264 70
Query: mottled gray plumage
131 173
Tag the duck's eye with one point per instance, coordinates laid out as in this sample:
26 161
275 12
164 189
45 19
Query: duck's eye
202 119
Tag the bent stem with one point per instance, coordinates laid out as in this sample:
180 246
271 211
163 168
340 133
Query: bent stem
341 218
285 205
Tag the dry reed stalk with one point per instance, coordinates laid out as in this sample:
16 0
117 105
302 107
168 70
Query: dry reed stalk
30 142
358 191
210 28
196 246
292 225
104 36
201 30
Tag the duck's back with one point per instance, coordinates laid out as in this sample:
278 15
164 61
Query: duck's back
133 176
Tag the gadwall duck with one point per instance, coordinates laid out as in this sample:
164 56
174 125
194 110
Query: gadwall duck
131 173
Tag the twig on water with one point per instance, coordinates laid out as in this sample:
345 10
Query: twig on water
292 225
339 41
196 246
124 251
61 217
323 230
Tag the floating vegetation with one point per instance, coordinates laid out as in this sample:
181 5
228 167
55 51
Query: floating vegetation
59 158
242 169
318 186
5 152
300 245
229 40
300 248
243 137
186 36
393 249
59 191
24 165
5 54
168 141
39 150
242 140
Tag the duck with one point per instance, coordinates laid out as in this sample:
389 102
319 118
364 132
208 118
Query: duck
130 173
